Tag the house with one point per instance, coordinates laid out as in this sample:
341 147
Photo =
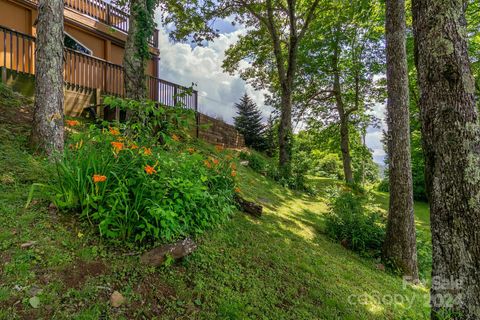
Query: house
95 35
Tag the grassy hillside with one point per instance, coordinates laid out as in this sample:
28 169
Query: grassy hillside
278 267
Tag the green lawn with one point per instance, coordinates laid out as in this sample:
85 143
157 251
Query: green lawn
278 267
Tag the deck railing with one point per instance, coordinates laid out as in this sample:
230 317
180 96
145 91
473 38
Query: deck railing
86 72
105 13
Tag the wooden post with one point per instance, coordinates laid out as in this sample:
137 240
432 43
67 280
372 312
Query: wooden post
175 92
98 103
117 114
4 74
108 15
197 115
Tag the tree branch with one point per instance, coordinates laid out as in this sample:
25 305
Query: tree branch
308 20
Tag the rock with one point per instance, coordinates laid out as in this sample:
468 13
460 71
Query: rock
34 291
251 208
380 267
27 244
52 208
157 256
244 163
18 288
117 299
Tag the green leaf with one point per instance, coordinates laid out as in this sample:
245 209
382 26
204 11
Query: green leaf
34 302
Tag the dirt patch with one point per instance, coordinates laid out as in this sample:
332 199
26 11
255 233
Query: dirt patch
152 294
75 275
17 115
152 286
15 108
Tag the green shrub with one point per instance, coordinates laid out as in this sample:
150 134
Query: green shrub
301 164
353 225
141 183
269 168
424 254
255 161
272 171
327 165
136 192
384 185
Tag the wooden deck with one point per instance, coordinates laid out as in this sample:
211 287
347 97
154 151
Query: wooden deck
86 72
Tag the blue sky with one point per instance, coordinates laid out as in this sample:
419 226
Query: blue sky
184 64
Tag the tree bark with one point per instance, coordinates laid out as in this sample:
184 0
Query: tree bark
451 137
285 134
400 241
345 148
344 117
134 62
47 130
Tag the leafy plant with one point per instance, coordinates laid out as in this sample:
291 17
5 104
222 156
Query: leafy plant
255 161
150 121
269 168
353 225
424 254
138 181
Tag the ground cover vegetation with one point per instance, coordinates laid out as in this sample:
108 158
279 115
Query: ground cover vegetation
323 65
54 264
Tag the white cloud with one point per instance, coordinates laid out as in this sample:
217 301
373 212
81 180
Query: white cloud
218 91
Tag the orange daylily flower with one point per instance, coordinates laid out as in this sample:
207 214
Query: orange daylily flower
117 146
215 162
237 190
72 123
76 146
191 150
150 169
175 137
114 131
99 178
147 151
207 164
234 173
133 146
219 148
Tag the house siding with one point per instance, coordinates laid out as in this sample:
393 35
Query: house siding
15 17
21 18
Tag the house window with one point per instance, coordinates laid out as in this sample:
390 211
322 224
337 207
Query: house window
72 43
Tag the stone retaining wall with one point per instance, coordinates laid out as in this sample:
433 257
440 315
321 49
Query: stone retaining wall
218 132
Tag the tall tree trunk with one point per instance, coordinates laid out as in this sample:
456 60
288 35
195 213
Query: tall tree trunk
344 117
364 160
400 242
47 131
285 133
451 136
135 57
345 148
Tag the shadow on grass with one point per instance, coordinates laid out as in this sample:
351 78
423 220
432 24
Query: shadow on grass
305 272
